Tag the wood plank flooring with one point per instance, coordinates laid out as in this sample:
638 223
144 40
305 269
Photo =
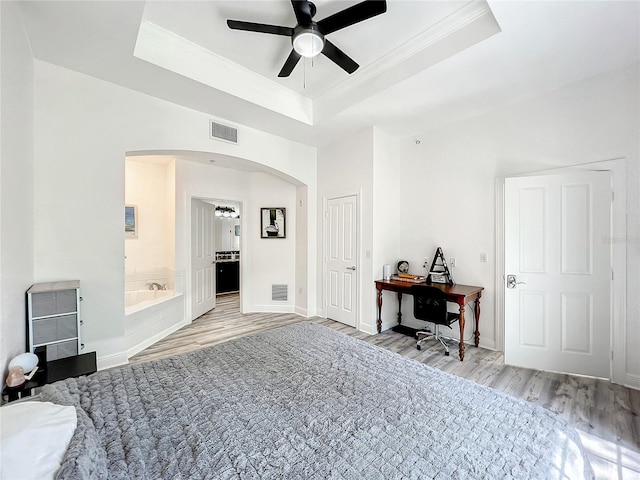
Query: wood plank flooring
606 415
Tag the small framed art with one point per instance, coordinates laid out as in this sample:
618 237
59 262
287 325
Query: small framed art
131 221
273 223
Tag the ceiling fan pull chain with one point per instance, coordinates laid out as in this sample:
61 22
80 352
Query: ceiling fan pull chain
304 74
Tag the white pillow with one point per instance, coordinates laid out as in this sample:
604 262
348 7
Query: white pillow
33 439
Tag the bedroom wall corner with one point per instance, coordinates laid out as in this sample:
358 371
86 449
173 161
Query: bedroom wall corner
16 180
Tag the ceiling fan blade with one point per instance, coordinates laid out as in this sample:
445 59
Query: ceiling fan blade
260 27
289 65
302 9
338 57
357 13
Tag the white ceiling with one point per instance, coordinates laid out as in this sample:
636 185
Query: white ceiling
422 64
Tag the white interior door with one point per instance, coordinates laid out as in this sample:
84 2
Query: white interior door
342 265
557 248
203 257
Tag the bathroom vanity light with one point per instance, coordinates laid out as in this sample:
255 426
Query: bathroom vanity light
226 212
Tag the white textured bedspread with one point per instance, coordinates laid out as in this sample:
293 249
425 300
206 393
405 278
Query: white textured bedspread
306 402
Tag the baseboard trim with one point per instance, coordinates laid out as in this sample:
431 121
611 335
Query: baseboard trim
302 312
489 344
632 381
113 360
154 338
271 309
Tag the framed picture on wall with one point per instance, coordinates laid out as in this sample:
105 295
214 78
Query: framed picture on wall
131 221
273 223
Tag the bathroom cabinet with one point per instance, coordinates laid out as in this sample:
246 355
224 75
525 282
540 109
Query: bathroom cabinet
227 276
53 318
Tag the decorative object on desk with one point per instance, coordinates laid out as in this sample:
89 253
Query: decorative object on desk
28 361
15 377
131 221
407 277
273 223
439 270
403 266
386 272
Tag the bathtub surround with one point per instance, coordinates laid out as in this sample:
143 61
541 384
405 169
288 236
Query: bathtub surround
153 308
154 315
142 280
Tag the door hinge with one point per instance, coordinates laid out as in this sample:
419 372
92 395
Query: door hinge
613 195
611 274
326 214
611 354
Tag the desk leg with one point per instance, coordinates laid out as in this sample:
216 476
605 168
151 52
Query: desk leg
399 308
476 339
379 320
461 322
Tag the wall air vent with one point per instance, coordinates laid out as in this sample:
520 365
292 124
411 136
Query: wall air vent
223 132
279 293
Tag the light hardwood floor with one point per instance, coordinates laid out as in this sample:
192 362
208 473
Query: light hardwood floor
606 415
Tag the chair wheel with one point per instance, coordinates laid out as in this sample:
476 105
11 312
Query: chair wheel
419 347
446 353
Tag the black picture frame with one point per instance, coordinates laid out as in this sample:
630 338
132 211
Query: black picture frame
273 222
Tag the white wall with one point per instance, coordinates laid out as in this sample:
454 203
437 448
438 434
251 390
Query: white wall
83 128
16 181
149 186
389 197
456 166
302 253
263 261
346 168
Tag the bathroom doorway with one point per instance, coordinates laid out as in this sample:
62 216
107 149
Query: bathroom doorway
217 280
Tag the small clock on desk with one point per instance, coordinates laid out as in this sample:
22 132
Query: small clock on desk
403 266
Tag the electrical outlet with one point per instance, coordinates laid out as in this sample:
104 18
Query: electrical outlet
452 261
425 264
483 257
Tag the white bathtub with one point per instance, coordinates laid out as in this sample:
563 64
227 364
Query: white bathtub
139 299
151 315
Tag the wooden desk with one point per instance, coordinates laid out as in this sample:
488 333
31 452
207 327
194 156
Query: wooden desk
460 294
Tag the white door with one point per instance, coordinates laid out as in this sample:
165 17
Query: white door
558 272
342 260
203 257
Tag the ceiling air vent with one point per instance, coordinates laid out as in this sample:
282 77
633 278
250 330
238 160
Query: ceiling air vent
223 132
279 293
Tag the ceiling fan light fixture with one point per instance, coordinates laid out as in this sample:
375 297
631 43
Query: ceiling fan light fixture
308 42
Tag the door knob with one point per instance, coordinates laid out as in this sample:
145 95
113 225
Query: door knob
511 281
351 268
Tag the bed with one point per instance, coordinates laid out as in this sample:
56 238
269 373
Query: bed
304 401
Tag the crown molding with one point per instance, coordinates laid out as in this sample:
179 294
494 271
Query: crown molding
172 52
465 27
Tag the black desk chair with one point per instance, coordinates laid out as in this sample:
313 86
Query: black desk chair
430 305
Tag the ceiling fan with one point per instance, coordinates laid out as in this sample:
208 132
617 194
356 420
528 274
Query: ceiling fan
308 37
